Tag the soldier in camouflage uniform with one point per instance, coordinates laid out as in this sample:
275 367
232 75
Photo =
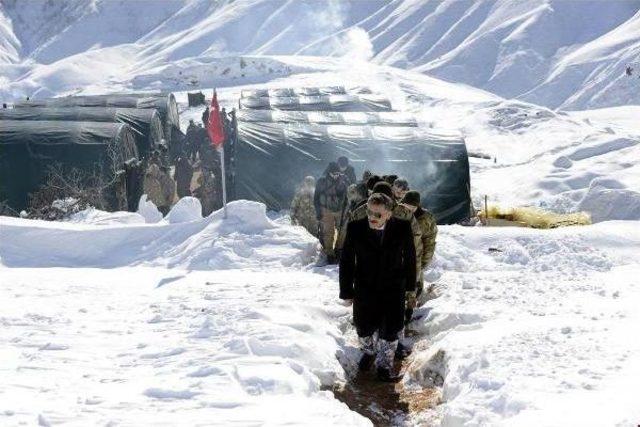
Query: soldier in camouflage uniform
400 187
356 197
303 212
207 192
328 198
152 187
428 231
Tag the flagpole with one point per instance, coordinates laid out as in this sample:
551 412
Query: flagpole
224 181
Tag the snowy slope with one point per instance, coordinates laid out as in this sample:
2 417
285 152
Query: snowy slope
555 53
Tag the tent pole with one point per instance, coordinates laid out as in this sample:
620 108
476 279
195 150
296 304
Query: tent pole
224 182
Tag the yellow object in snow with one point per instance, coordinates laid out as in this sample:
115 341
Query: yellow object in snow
533 217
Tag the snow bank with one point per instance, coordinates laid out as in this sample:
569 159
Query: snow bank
185 210
148 210
534 327
249 339
97 217
246 238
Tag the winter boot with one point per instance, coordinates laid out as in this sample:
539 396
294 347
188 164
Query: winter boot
368 347
402 351
384 360
366 361
385 375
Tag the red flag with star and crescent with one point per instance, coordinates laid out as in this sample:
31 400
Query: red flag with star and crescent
214 126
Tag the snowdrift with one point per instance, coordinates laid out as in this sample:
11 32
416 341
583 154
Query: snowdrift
246 238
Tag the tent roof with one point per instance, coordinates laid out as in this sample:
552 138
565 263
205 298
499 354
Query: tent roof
384 118
318 103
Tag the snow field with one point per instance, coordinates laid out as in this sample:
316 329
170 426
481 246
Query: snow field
539 330
525 333
128 341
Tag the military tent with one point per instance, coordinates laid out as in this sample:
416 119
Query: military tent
271 160
165 103
383 118
297 91
28 148
145 123
317 103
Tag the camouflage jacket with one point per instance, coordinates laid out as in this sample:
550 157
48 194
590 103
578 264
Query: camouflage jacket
330 193
303 211
429 231
151 185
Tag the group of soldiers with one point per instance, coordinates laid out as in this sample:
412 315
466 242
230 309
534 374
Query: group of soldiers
383 239
196 168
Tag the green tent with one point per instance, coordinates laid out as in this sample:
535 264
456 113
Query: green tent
271 160
145 123
317 103
165 103
28 148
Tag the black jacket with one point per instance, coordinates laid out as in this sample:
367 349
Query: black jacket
372 269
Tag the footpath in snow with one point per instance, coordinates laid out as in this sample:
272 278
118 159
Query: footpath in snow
206 321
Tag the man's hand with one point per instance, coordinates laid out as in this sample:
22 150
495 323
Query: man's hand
347 302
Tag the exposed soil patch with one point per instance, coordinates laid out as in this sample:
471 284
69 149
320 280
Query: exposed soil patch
385 404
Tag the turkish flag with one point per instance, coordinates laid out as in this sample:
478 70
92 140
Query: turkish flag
214 127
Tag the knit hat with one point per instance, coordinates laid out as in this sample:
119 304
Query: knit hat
383 188
332 168
411 198
390 178
343 162
373 180
402 184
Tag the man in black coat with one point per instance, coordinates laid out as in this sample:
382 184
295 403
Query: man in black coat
377 267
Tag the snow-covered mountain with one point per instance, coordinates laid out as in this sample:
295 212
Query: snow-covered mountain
561 54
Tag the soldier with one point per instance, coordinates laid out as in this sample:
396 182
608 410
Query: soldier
400 188
376 269
206 192
168 188
328 199
183 175
152 187
205 117
428 233
347 170
390 178
303 211
356 197
155 158
191 140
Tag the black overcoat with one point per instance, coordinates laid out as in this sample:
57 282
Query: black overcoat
376 274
